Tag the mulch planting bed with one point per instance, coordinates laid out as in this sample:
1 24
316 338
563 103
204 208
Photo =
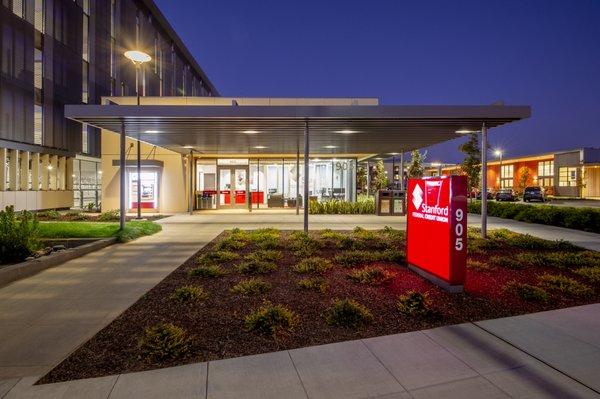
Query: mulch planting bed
214 326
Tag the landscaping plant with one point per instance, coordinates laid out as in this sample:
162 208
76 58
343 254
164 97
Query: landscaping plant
189 293
414 303
256 267
348 313
163 341
315 265
271 319
253 286
527 292
217 257
592 274
313 283
18 235
564 285
209 271
269 255
370 276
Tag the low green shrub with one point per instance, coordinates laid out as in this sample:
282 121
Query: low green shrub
253 286
217 257
109 216
329 234
271 319
303 244
363 205
480 245
370 276
507 262
231 243
414 303
208 271
163 341
264 255
527 292
592 274
393 234
564 285
355 258
315 265
477 265
392 255
313 284
561 260
586 219
18 235
51 214
256 267
189 293
263 235
348 313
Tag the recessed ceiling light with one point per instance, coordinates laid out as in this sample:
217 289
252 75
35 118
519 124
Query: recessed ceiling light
393 153
188 146
330 146
378 159
466 131
152 131
346 131
259 147
250 131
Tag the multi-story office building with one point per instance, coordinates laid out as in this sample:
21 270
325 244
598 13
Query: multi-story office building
57 52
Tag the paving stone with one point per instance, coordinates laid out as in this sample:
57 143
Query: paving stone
271 375
93 388
476 387
343 370
417 361
6 385
180 382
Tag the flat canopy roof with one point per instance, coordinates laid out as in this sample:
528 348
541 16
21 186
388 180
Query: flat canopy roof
248 130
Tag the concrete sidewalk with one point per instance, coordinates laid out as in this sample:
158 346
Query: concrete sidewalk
553 354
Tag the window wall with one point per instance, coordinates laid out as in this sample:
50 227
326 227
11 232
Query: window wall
87 183
546 173
567 176
506 176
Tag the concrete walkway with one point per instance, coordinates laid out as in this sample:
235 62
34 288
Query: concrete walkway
552 354
45 317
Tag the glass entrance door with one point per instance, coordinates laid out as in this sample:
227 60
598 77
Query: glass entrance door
233 186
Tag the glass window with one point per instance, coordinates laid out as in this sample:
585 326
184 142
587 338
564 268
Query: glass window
17 8
86 38
39 15
38 68
506 176
84 139
38 124
84 83
567 176
546 168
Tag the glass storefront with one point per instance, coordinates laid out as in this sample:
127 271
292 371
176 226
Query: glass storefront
149 183
87 183
271 183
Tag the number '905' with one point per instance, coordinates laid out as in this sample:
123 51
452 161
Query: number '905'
459 229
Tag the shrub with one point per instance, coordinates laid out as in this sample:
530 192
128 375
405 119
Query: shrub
590 273
253 286
414 303
480 245
564 285
527 292
507 262
391 255
313 265
329 234
561 260
208 271
230 243
393 234
189 293
477 265
109 216
314 284
303 244
586 219
263 235
367 239
348 313
264 255
370 275
216 257
271 319
163 341
18 235
51 214
363 205
256 267
354 258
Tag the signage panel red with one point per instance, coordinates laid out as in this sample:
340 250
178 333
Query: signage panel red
437 228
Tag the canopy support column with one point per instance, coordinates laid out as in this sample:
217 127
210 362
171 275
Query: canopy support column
401 174
191 172
122 171
306 177
298 179
483 181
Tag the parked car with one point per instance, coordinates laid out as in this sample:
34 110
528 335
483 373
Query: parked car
534 193
505 194
489 195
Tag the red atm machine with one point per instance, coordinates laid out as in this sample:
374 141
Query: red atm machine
436 241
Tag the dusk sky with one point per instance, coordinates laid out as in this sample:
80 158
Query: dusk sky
540 53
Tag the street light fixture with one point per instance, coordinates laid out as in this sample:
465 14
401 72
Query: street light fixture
139 58
498 153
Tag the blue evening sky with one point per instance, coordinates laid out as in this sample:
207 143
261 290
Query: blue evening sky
543 53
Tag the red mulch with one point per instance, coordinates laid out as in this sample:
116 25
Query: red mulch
216 325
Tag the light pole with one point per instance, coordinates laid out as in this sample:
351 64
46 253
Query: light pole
138 58
498 153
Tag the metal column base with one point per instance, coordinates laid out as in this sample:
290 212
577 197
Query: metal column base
453 289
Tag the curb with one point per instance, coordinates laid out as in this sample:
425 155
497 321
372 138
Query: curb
28 268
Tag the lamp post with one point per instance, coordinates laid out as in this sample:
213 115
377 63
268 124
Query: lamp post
498 153
138 58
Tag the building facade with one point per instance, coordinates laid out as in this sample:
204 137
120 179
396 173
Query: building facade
572 173
57 52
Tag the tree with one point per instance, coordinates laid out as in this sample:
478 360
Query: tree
524 178
471 165
415 167
380 179
361 178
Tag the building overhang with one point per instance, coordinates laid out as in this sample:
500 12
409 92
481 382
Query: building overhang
364 131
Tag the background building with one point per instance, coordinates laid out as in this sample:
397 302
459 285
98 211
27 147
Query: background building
57 52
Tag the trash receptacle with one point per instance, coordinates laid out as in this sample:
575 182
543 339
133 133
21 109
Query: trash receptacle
383 202
398 203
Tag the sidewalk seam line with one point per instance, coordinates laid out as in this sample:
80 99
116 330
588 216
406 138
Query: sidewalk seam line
297 373
383 365
206 387
113 387
536 358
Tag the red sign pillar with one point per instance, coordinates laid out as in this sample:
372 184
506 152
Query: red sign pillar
436 242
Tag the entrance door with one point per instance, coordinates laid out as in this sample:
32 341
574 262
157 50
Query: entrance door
233 186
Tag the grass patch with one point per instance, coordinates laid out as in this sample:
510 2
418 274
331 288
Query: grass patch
370 276
564 285
527 292
592 274
348 313
217 257
315 265
189 293
314 284
269 255
271 319
507 262
414 303
208 271
163 341
253 286
133 229
256 267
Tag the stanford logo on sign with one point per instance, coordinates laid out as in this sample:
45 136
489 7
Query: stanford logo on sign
417 196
